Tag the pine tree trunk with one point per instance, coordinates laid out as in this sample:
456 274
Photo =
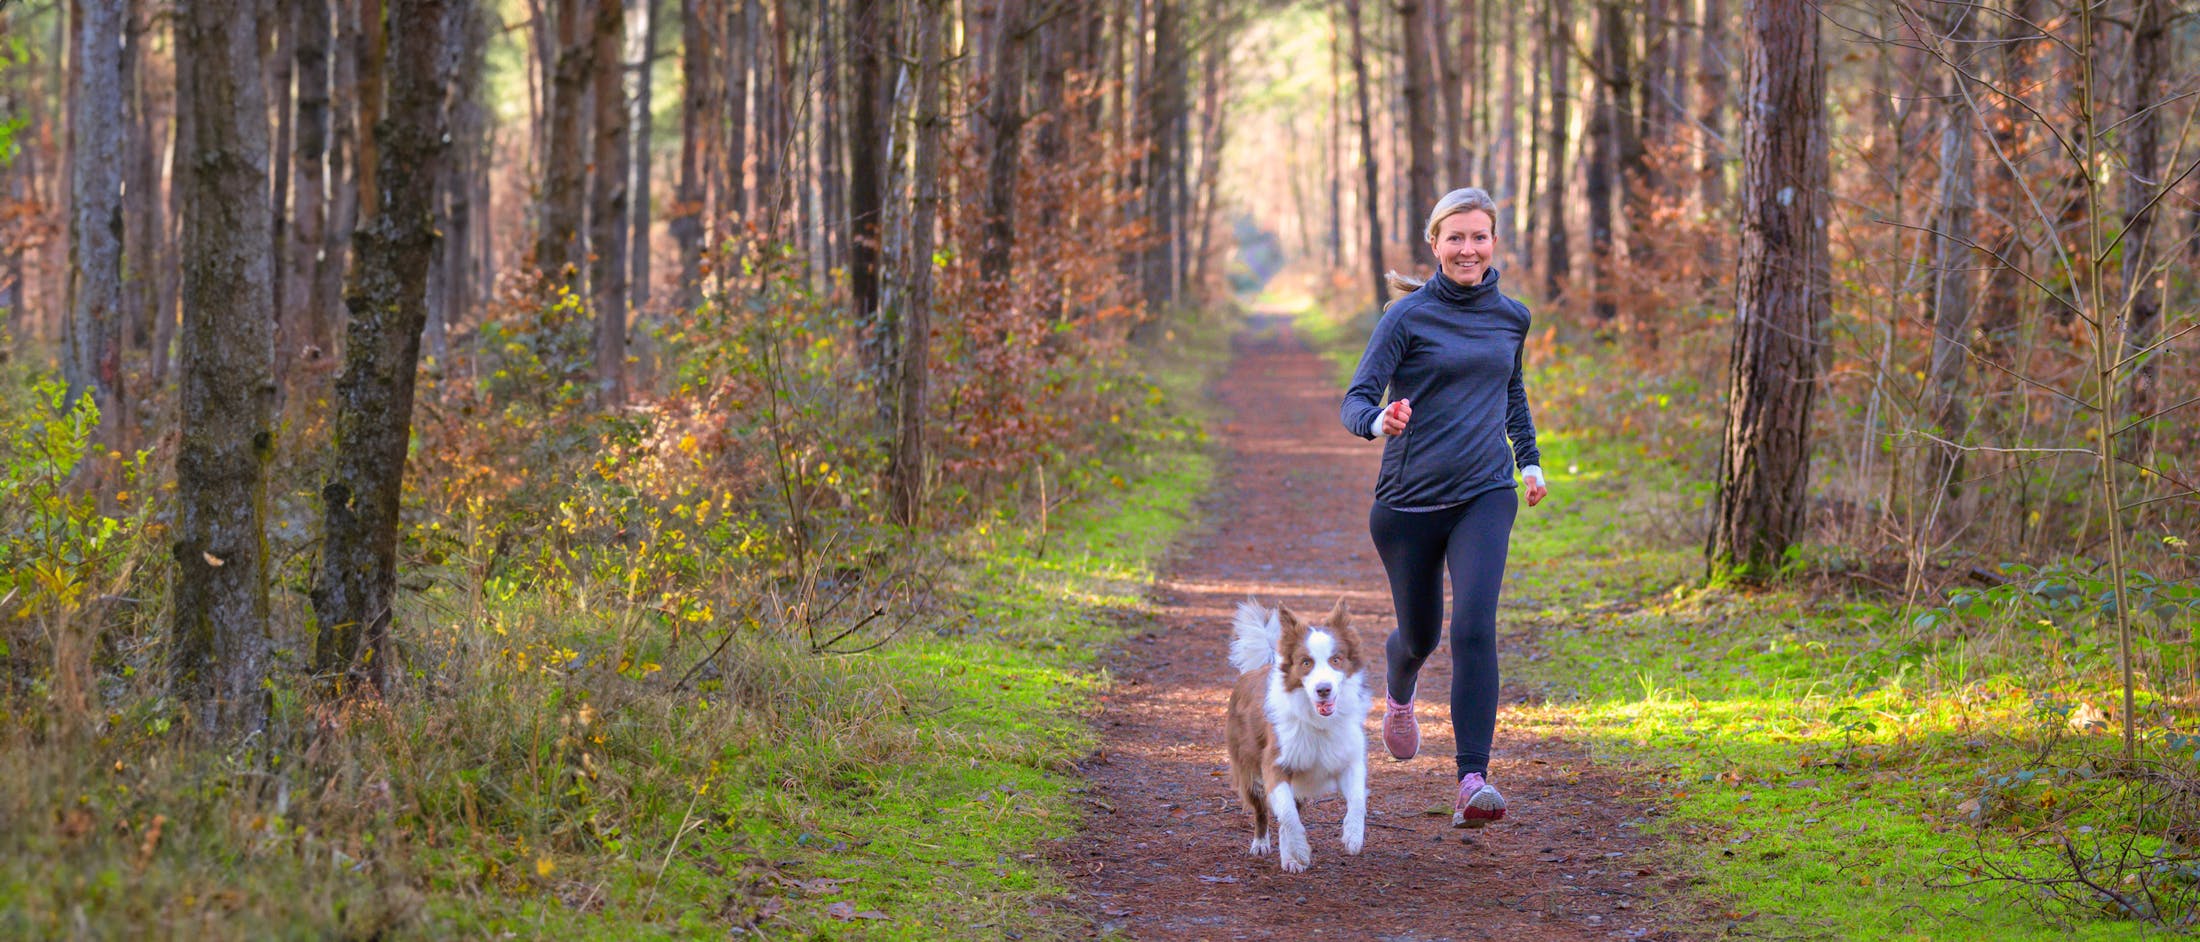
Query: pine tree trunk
325 315
1420 86
608 220
1508 135
219 645
1557 52
1004 121
94 329
734 202
1947 398
1711 85
1457 164
356 582
913 362
1781 294
301 335
1607 131
869 114
698 56
1372 199
638 242
2149 50
565 178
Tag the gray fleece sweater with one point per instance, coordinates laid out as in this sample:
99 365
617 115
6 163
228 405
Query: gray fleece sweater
1454 352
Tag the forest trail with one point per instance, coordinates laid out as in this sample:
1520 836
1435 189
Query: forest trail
1163 856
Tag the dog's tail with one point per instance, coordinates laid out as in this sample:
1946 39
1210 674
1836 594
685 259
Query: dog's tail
1254 645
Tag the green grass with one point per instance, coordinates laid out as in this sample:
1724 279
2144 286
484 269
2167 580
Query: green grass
1821 766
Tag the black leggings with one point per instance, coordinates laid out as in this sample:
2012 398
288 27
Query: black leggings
1469 539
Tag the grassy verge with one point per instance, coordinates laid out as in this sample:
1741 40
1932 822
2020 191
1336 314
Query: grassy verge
1824 767
562 765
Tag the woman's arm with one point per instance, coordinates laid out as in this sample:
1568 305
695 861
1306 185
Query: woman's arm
1520 427
1363 400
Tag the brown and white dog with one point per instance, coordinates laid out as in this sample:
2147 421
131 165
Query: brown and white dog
1296 728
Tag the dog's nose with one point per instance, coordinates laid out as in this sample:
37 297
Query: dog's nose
1322 690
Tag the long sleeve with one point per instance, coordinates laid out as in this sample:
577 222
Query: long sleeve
1519 425
1363 400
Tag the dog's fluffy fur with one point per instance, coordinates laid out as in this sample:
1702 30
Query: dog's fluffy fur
1297 725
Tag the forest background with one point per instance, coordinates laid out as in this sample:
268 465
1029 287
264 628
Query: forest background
436 436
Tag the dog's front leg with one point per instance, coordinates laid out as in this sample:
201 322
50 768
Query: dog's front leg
1291 847
1354 787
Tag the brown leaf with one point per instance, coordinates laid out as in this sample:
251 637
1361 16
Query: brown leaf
212 560
842 910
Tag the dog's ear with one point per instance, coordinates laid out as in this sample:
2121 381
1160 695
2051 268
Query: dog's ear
1292 633
1340 624
1338 617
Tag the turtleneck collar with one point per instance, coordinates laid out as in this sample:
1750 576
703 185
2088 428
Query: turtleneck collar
1466 296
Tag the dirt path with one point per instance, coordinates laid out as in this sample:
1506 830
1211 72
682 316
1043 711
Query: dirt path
1164 854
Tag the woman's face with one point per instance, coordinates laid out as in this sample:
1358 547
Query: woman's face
1465 242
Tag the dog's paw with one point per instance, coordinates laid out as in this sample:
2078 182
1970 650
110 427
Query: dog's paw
1295 855
1259 847
1355 837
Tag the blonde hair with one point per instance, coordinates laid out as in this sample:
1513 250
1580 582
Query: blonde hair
1466 199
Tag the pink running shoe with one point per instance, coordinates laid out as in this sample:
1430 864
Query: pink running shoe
1401 732
1478 803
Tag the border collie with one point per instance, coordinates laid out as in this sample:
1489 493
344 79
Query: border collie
1296 725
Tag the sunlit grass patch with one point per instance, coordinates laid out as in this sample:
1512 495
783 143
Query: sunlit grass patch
1819 763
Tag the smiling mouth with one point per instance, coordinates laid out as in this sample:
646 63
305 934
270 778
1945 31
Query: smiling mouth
1325 707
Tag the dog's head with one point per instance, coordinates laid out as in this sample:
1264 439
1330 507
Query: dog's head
1319 659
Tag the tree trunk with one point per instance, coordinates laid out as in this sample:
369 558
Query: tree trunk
869 115
1557 50
1947 399
94 330
906 469
608 219
1004 124
1164 99
278 20
220 642
374 41
2142 282
565 178
302 333
697 58
1372 198
1333 149
325 308
142 249
1608 130
1508 138
1457 164
356 582
740 52
1420 86
638 243
1711 85
1781 294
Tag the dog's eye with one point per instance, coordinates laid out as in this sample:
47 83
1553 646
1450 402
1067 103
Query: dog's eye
1306 662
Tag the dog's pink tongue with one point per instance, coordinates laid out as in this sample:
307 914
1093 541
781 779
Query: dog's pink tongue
1325 709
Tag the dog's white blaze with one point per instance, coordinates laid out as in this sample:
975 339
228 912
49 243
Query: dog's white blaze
1320 645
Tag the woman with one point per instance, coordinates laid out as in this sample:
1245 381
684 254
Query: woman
1450 351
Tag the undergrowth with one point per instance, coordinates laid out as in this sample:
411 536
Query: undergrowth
665 709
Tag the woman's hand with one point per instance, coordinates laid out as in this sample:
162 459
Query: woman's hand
1532 476
1395 418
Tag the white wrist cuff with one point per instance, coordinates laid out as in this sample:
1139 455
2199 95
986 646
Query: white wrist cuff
1531 473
